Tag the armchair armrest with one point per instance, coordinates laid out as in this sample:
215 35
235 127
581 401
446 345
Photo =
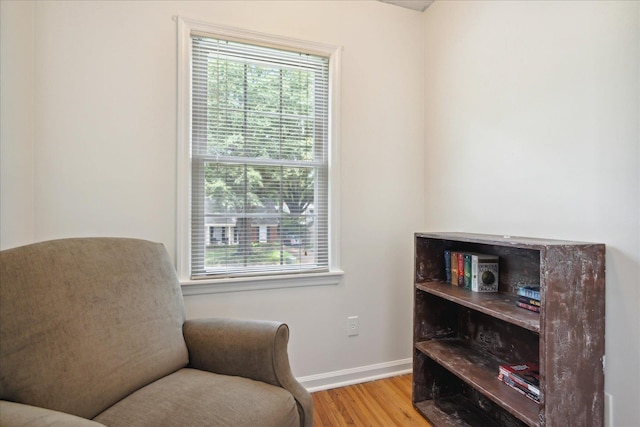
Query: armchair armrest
247 348
16 414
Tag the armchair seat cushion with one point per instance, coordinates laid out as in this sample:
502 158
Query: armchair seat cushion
197 398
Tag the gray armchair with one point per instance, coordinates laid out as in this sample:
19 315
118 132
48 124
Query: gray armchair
92 332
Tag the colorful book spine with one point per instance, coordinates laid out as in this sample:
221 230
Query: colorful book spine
454 268
467 271
461 269
447 266
528 306
529 301
529 292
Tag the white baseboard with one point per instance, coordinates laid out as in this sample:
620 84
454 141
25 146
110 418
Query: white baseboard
357 375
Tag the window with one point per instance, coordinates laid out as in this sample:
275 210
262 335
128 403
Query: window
257 169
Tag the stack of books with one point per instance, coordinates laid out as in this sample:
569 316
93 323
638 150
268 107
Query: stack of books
474 271
525 378
529 298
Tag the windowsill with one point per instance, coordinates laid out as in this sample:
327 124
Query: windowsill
215 286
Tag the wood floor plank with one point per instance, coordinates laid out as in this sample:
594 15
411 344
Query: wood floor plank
367 405
326 413
347 413
394 403
382 403
347 408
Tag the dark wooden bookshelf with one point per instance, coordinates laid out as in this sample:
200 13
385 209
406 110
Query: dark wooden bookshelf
461 337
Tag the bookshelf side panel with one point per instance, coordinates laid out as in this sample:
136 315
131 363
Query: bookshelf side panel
572 335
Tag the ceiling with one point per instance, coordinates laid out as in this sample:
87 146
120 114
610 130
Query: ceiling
419 5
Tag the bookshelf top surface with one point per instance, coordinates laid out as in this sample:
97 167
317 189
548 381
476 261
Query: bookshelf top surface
491 239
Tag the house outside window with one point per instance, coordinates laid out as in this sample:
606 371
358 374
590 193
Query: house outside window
257 160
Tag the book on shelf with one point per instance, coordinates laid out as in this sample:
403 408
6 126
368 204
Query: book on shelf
454 268
529 301
534 308
532 292
461 269
484 272
526 376
509 381
467 271
447 265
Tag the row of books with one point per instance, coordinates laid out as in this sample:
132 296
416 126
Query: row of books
529 298
474 271
524 378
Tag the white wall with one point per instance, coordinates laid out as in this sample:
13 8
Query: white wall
104 156
17 127
532 116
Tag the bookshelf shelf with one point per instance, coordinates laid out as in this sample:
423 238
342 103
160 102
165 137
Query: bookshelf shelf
499 305
461 337
478 370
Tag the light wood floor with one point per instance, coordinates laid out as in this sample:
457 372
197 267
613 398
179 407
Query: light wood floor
382 403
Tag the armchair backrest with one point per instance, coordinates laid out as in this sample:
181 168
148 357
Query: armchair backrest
84 322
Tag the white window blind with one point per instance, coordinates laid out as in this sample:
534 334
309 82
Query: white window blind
259 159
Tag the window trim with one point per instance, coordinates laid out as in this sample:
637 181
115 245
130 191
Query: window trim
183 201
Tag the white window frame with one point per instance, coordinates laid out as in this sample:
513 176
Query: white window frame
183 210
